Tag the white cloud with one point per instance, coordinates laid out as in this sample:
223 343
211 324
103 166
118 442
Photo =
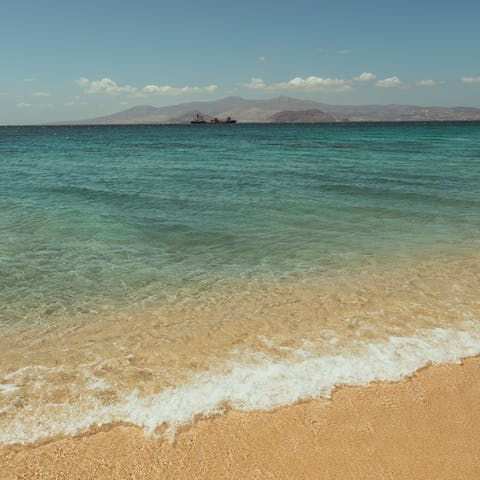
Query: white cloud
345 51
29 79
322 50
365 77
40 94
390 82
314 83
24 105
426 83
168 90
256 84
261 59
311 83
471 79
110 87
104 85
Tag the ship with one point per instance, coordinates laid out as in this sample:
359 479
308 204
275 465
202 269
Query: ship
200 120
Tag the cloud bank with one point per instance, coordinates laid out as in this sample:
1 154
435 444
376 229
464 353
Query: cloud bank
110 87
168 90
390 82
311 84
471 79
104 85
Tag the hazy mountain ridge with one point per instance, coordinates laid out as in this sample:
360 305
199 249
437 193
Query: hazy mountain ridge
267 111
312 115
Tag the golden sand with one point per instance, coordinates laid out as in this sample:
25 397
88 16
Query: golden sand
425 427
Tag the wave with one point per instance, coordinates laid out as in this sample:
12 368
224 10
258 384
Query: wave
260 384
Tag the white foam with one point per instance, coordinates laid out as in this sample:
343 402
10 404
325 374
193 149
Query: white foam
262 384
7 388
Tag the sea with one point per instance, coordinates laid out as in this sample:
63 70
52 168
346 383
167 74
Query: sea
155 274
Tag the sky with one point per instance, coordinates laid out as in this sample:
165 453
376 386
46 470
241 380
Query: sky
69 60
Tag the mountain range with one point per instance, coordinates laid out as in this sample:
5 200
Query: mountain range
280 110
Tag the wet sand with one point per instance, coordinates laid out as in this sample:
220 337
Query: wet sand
424 427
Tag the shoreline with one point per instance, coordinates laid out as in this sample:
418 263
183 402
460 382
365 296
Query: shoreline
424 426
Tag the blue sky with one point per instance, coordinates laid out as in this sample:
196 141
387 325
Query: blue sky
66 60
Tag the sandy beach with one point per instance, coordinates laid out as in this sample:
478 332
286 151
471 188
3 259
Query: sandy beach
233 248
426 426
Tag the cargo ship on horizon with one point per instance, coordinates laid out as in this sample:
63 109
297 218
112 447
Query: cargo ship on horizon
200 120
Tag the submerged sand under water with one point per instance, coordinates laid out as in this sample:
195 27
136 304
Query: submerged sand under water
248 347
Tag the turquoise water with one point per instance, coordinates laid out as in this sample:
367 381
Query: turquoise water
154 274
96 218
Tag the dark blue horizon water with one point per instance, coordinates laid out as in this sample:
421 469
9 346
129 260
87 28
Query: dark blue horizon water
110 216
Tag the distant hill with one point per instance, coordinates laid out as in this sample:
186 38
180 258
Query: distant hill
301 116
275 109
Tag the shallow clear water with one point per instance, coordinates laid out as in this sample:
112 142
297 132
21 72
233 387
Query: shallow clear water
152 273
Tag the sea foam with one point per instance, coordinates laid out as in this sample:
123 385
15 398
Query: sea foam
260 385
